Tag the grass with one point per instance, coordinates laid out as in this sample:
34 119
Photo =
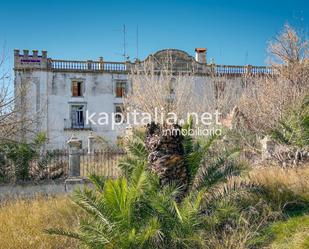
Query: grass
287 190
22 223
284 188
292 233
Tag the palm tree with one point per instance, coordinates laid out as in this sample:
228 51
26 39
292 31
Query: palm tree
137 211
166 154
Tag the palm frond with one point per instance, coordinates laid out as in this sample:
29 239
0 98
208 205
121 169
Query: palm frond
235 187
195 158
97 181
137 182
151 232
188 143
136 148
127 165
62 232
217 169
97 234
87 200
116 196
162 202
136 154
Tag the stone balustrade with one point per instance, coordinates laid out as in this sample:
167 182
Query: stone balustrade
36 61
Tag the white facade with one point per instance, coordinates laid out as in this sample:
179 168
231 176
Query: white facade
62 114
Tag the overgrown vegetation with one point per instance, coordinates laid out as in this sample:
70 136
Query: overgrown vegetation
274 95
22 223
19 155
293 128
185 192
182 192
137 211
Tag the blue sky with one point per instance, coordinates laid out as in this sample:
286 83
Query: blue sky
235 32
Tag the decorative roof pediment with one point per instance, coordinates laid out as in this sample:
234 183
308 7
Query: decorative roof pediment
174 54
178 59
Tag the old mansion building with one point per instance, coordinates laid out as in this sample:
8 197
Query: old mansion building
62 90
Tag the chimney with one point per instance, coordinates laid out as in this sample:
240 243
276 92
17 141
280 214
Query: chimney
200 55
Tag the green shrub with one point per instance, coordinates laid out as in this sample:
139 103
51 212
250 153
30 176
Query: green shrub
135 211
18 157
293 129
19 154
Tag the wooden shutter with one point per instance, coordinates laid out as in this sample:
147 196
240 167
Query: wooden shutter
123 89
74 89
118 91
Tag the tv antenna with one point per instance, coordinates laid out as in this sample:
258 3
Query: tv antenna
246 57
124 33
124 42
137 42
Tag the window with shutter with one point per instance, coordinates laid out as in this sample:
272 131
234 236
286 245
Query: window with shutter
77 90
120 89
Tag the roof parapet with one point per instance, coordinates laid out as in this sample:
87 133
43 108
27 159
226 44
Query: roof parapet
30 61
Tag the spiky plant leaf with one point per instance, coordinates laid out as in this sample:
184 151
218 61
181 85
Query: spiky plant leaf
62 232
88 201
188 142
97 181
136 148
195 158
